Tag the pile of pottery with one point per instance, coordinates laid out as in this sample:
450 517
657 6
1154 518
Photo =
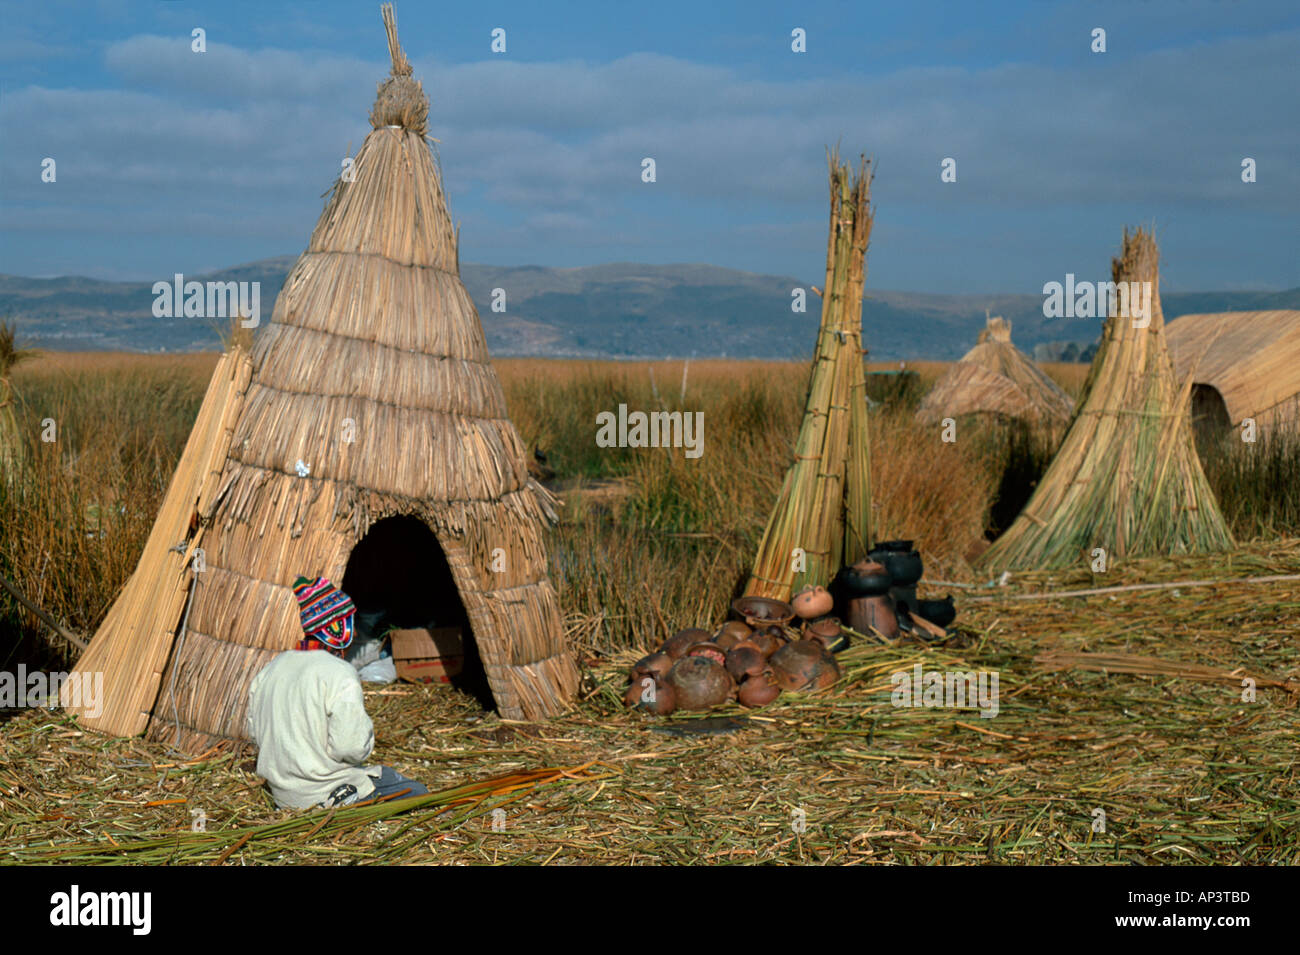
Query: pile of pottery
879 593
751 659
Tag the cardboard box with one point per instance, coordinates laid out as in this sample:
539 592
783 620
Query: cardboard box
428 655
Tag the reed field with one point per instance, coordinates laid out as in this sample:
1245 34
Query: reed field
649 542
641 529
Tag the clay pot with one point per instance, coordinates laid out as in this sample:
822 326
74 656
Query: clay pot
866 578
656 665
664 702
768 641
829 674
763 610
828 627
812 602
677 645
903 563
726 640
827 631
759 690
938 612
803 665
700 683
736 628
745 661
873 613
709 650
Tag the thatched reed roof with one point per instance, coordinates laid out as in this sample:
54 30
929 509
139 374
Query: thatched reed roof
1252 359
995 377
374 373
1126 478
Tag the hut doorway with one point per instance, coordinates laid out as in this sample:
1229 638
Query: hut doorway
1210 419
398 576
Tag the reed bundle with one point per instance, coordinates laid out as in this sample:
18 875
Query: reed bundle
824 507
1137 665
401 100
1126 477
371 395
133 643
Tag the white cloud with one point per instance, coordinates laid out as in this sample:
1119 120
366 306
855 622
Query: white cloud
544 151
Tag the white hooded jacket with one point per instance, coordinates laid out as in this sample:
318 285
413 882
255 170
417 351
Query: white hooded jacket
308 718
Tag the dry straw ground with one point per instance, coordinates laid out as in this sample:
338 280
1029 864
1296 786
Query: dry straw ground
1184 770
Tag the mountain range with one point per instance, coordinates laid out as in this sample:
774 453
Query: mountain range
618 311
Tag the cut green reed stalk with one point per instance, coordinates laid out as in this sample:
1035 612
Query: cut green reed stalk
824 507
265 841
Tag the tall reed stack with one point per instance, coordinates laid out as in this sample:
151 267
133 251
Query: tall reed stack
824 509
1126 478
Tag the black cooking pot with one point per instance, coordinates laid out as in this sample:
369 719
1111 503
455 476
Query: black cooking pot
903 546
903 563
865 580
939 612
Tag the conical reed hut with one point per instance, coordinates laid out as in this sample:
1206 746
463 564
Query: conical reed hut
996 378
1126 478
365 439
823 513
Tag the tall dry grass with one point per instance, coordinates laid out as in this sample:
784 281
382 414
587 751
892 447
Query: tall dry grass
101 435
653 541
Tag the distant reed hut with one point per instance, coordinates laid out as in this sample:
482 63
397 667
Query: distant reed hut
1242 365
996 378
364 439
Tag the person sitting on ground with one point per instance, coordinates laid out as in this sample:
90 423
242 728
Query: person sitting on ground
308 717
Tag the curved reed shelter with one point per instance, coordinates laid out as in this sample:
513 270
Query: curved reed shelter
996 378
1242 365
366 440
1126 477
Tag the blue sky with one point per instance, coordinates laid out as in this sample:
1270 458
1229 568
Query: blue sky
170 161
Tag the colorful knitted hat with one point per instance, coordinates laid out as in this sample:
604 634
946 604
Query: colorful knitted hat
327 613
